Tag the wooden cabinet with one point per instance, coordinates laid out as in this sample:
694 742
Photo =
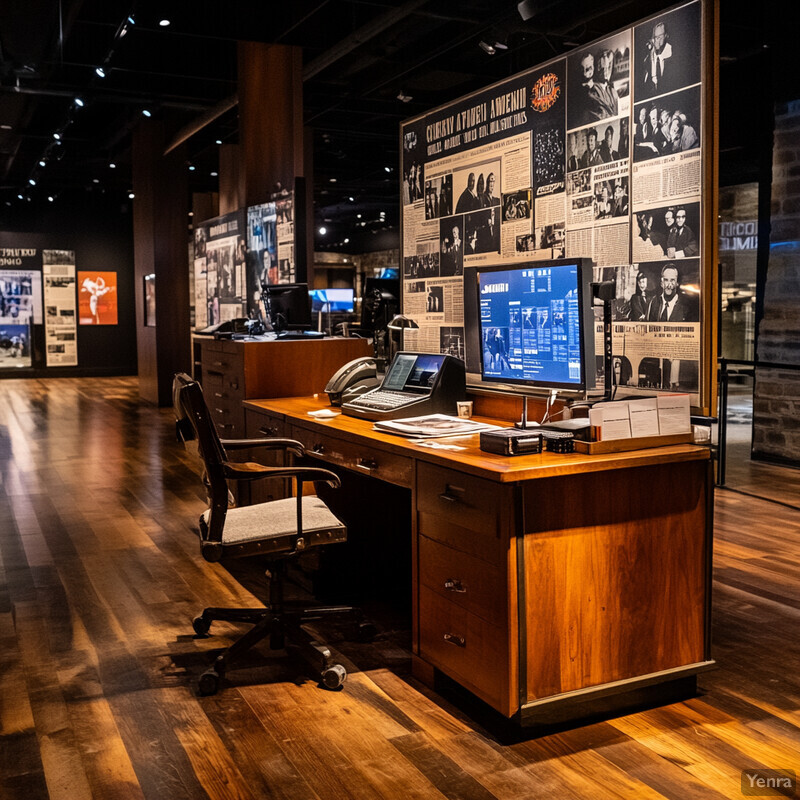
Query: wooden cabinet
237 370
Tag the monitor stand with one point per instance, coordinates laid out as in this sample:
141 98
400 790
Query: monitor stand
524 424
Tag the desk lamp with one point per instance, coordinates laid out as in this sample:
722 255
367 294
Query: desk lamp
399 322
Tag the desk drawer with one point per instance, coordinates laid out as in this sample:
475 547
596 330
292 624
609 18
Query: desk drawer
261 423
359 457
467 513
464 580
465 647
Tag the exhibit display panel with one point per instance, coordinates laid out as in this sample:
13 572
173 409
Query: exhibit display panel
606 154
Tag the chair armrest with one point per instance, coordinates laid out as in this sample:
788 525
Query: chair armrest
292 445
250 471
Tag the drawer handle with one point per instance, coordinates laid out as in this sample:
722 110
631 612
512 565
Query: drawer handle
214 373
455 585
221 410
452 494
226 425
458 641
218 363
318 448
267 431
367 464
234 384
218 394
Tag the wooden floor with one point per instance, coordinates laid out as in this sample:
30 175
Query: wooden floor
101 575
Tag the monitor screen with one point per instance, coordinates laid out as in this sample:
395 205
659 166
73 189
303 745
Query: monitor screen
390 272
332 300
413 372
534 322
288 306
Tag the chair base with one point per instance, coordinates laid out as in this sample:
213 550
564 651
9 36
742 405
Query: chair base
284 630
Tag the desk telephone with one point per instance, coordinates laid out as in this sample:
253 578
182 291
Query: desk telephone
354 378
414 384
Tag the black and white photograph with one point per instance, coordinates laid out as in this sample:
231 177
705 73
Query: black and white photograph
667 125
412 181
667 52
596 145
517 205
451 238
666 291
599 81
611 198
414 287
666 232
451 341
550 238
439 197
482 231
548 158
477 187
434 302
421 266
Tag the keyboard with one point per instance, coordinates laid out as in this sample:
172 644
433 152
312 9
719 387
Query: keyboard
300 335
382 400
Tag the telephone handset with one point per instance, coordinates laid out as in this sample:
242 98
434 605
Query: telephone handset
354 378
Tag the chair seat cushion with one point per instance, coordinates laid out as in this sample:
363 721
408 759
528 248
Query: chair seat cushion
276 518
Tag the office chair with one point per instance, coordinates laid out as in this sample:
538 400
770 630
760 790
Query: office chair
278 531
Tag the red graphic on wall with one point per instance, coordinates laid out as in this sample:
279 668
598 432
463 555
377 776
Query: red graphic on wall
97 298
545 92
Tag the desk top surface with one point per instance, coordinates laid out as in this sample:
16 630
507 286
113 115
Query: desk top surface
471 458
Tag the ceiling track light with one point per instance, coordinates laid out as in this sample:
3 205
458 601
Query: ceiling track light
79 102
100 72
486 47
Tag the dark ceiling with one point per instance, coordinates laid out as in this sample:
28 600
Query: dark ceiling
359 57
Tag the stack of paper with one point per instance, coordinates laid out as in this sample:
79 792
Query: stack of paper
432 426
664 415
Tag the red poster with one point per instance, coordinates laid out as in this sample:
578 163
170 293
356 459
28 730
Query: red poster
97 298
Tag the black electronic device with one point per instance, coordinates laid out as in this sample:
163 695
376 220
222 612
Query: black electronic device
415 384
353 379
511 442
530 326
558 441
283 335
288 306
227 328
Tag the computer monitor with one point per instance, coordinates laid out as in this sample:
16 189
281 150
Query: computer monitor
336 301
535 325
288 306
379 302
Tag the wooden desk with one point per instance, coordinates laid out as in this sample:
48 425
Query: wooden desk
550 586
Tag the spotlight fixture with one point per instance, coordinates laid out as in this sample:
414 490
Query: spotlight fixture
351 199
192 167
50 198
403 97
42 163
100 72
79 102
486 47
131 20
57 137
112 165
131 195
31 181
214 174
146 112
323 230
347 241
387 169
164 23
218 141
21 196
500 45
527 9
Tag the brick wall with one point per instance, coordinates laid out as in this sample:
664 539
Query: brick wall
776 402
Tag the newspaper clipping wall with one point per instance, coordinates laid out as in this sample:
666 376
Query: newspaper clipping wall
60 308
594 155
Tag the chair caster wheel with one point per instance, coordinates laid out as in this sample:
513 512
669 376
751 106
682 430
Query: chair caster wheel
366 632
333 677
201 625
209 682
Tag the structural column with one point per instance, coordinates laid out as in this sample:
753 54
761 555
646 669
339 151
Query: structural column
160 218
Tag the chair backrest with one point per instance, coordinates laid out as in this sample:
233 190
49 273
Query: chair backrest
193 421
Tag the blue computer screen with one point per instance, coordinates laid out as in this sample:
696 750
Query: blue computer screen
332 300
532 325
